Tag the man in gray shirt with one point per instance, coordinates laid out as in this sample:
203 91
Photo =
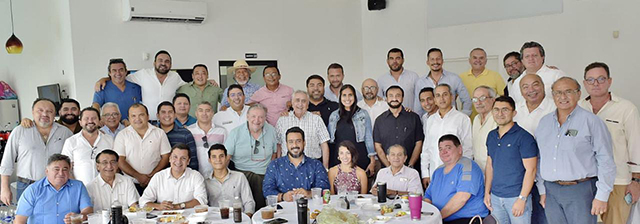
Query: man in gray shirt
225 184
398 76
32 146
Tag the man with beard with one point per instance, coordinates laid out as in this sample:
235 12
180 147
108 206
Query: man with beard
200 90
335 75
533 58
318 103
118 90
27 149
396 126
175 133
230 119
294 174
514 68
437 75
143 148
398 76
448 120
251 147
479 75
82 148
68 112
370 102
274 96
111 119
241 74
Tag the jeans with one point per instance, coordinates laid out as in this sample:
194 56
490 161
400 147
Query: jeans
20 187
570 204
502 210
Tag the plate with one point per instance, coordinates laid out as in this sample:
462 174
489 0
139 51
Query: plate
172 212
371 207
381 219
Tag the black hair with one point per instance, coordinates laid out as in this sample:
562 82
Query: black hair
271 66
511 54
426 89
597 65
395 50
108 152
217 147
506 99
181 95
166 103
531 44
434 50
43 99
234 86
352 150
295 130
386 93
315 76
335 66
450 137
69 100
162 52
89 109
200 65
116 61
181 146
344 114
139 105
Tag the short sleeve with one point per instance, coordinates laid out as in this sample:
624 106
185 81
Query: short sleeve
528 147
377 136
427 193
67 150
85 200
98 97
230 143
469 181
26 202
165 146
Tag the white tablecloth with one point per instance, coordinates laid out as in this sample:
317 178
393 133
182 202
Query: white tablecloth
289 212
213 216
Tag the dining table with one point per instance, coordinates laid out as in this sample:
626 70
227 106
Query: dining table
212 216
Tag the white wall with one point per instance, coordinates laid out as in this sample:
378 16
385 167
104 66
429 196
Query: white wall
580 35
45 33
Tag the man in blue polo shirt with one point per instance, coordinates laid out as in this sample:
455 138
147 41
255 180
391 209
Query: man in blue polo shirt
511 166
118 90
294 174
175 134
456 188
55 198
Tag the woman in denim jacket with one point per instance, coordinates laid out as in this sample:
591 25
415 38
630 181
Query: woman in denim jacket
350 123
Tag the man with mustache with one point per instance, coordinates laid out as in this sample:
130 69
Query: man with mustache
110 185
533 59
335 76
398 76
274 95
294 174
318 103
27 149
397 126
436 76
200 90
514 67
370 102
69 112
479 75
82 148
447 120
111 114
118 90
241 74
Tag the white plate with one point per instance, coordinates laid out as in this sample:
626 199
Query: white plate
171 212
371 207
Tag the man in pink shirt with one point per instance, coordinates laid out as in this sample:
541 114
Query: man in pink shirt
276 97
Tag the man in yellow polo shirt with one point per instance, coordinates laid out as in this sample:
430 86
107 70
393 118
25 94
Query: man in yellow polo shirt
478 75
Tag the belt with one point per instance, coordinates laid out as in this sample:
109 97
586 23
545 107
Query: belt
25 180
572 182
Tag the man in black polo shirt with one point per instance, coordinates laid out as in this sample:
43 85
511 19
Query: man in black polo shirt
398 126
317 103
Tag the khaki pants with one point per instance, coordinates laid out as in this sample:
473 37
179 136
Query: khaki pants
617 209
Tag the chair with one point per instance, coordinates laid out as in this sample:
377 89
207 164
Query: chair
487 220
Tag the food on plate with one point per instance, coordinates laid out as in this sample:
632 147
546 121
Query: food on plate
329 215
171 213
314 214
133 208
401 213
169 219
385 209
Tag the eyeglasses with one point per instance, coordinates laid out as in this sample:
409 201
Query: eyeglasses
369 88
206 142
271 75
256 150
255 147
114 114
479 99
112 162
504 110
600 80
566 92
513 64
231 95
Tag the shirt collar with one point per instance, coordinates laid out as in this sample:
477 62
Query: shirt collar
209 175
470 72
47 183
304 160
116 180
170 175
399 172
612 97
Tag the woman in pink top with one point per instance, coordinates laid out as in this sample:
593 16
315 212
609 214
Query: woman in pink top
346 176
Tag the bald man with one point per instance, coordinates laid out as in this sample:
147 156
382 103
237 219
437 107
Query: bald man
370 102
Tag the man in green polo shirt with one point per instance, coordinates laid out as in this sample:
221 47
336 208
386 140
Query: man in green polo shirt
200 89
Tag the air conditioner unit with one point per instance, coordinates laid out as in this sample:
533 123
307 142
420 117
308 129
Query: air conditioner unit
164 11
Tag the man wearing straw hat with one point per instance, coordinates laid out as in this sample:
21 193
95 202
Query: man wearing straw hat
241 74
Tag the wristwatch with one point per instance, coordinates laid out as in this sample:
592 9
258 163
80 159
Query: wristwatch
182 205
636 179
522 198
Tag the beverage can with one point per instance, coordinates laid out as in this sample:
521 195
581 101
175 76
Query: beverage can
326 196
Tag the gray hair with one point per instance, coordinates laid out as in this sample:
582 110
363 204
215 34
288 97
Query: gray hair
397 146
58 157
567 78
446 85
492 92
478 49
257 106
109 104
300 92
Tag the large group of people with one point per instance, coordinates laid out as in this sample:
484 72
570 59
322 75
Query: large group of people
527 149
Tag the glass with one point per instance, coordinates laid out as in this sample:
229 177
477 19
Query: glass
114 114
206 142
479 99
600 80
224 209
232 95
95 218
369 88
272 200
513 64
504 110
271 75
566 92
76 219
256 150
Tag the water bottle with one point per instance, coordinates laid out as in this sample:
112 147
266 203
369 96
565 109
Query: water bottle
303 217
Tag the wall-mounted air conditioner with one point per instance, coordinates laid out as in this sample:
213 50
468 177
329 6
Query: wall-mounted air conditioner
164 11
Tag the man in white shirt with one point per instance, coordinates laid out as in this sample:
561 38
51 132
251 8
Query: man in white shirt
230 119
533 58
428 104
514 68
111 119
176 187
205 135
623 121
370 102
83 147
223 183
448 120
483 123
535 105
110 185
143 148
316 141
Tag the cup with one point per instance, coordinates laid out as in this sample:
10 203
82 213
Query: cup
268 212
224 209
76 218
106 215
201 208
415 206
95 218
272 200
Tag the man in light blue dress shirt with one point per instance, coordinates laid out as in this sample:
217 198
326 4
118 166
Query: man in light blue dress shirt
576 159
55 198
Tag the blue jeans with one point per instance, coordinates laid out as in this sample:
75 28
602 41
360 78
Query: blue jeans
20 187
502 210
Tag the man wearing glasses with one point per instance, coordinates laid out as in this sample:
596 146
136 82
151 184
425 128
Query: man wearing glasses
83 147
118 90
623 121
514 68
251 147
576 159
111 119
479 75
205 135
175 133
110 185
533 59
370 102
274 96
483 123
237 115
